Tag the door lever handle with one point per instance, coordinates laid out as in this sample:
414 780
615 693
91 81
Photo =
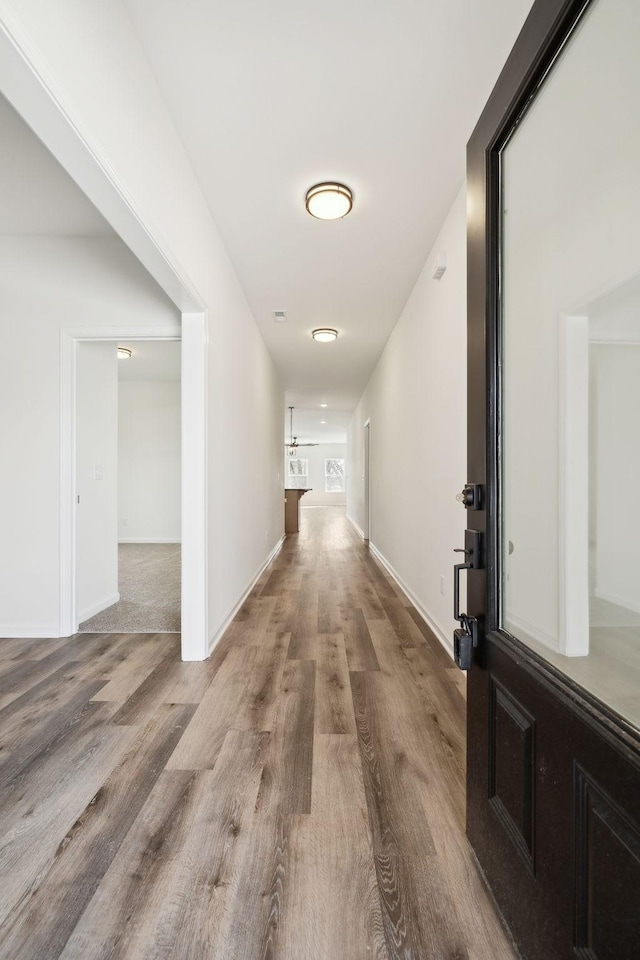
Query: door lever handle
456 589
471 549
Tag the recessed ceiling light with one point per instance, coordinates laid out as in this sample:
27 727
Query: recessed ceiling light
124 353
329 201
324 334
323 421
324 404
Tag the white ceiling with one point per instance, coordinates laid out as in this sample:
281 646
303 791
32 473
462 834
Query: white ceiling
270 98
308 424
150 360
37 196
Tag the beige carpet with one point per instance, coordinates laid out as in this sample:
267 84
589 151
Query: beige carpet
149 587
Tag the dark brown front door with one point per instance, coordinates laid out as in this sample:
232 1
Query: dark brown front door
554 336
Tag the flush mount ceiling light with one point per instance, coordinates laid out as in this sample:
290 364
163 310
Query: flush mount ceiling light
329 201
324 334
124 353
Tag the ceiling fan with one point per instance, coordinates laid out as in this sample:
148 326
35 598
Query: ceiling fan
293 446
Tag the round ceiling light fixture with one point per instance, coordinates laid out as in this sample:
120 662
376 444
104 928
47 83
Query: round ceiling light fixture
324 334
124 353
329 201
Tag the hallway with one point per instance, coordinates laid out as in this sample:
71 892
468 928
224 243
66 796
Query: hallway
299 796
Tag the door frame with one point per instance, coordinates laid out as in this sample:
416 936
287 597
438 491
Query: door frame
366 476
192 334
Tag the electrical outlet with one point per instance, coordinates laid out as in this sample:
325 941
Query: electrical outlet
442 585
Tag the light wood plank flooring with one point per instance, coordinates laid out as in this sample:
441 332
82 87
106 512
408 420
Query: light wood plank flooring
299 796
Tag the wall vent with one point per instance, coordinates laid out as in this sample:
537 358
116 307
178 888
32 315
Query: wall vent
279 316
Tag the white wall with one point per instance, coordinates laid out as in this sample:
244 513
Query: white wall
316 456
416 400
149 461
46 284
96 104
617 402
570 236
96 477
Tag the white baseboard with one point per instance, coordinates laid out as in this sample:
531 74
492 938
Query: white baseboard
431 622
358 530
227 622
529 630
323 503
618 600
97 608
38 631
148 540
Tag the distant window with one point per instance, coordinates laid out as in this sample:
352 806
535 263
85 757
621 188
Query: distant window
334 476
298 473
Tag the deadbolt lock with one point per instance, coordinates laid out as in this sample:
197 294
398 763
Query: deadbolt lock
471 496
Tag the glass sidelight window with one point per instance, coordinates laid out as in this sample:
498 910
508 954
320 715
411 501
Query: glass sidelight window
570 346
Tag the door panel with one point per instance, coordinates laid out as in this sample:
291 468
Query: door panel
553 750
607 871
511 789
575 783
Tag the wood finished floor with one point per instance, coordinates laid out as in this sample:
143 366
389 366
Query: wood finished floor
299 796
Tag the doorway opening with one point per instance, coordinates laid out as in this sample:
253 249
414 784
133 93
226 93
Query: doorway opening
193 563
128 466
